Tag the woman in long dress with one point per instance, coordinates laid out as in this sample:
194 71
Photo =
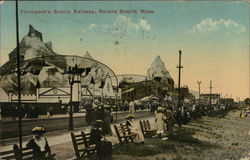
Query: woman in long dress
106 122
159 119
139 138
132 107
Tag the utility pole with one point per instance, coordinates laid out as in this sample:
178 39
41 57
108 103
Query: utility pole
199 84
211 87
179 119
18 78
179 81
71 128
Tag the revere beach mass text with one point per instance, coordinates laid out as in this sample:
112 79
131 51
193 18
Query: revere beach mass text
88 11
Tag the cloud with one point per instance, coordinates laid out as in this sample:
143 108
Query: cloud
124 22
124 27
237 2
209 25
144 24
92 26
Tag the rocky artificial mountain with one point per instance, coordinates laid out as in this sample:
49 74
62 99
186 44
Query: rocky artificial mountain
40 64
158 71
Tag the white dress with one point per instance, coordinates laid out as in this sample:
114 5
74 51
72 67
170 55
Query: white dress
131 107
160 123
41 142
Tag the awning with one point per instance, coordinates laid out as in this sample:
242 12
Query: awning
149 98
128 90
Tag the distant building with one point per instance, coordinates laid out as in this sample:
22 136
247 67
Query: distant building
214 98
247 101
134 91
185 95
227 101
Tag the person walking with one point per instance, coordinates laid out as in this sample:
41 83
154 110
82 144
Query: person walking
106 121
13 112
169 119
159 119
132 107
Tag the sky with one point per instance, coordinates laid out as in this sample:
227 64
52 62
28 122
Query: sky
213 37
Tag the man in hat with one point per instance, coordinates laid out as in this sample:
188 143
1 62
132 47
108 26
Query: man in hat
169 119
39 144
106 121
89 113
139 135
94 114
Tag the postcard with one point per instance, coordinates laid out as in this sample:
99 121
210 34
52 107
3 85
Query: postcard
125 80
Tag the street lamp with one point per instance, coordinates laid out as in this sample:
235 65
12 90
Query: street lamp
72 73
102 86
116 92
116 99
19 74
210 95
92 81
199 84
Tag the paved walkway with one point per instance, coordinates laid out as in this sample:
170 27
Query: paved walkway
43 117
9 129
60 141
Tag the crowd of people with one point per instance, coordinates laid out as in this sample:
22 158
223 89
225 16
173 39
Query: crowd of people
99 112
166 115
172 112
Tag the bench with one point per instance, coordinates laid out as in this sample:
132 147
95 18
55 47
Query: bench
17 154
81 145
123 133
20 154
146 128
